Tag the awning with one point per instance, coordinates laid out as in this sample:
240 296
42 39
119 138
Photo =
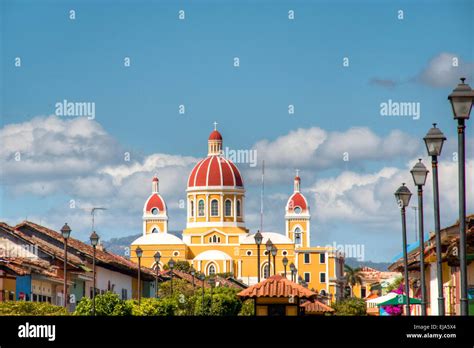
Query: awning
399 299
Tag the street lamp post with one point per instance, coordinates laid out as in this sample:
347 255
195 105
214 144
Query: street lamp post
212 283
285 263
434 144
94 242
420 173
171 264
292 269
193 273
274 253
461 100
268 246
403 196
258 240
66 232
201 277
139 253
157 265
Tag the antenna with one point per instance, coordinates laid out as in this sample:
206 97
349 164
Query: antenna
261 196
93 210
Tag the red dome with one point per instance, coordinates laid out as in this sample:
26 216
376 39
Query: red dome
155 201
297 200
215 171
155 179
215 135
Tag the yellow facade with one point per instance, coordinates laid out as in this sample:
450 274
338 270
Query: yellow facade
216 239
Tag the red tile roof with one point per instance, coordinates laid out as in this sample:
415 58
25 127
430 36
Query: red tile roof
316 307
103 258
277 286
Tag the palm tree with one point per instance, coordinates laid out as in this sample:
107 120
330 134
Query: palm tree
353 276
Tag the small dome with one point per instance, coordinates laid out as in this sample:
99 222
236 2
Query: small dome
157 238
276 238
297 200
155 179
155 201
215 135
212 255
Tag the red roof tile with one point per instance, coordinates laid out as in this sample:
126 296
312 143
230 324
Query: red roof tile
316 307
277 286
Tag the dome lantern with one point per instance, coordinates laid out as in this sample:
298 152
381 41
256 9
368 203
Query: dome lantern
215 142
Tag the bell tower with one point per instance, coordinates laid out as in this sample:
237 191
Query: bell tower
297 216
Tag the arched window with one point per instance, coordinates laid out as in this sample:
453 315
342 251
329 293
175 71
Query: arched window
238 208
266 271
211 269
201 207
155 230
297 235
228 207
155 211
297 210
214 207
191 206
214 239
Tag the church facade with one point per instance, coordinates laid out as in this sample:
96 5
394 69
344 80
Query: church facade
216 239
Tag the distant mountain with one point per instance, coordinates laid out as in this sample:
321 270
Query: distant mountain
121 245
380 266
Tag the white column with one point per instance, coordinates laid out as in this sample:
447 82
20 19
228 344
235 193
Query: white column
235 208
207 207
240 269
221 208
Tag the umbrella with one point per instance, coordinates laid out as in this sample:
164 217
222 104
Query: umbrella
400 299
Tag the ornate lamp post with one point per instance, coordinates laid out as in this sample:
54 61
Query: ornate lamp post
171 264
434 144
285 263
268 246
403 196
212 283
258 240
94 238
192 271
293 271
201 277
139 253
274 254
157 257
461 100
420 173
66 232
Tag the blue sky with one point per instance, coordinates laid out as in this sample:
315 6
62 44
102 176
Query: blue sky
190 62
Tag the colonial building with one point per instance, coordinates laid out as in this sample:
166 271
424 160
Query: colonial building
216 239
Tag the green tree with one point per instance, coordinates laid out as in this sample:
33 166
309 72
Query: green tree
248 308
180 286
350 306
224 302
154 307
394 285
352 276
105 304
181 265
30 308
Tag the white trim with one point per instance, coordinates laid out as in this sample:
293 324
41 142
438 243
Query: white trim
231 189
206 267
304 277
197 170
327 272
214 200
215 224
304 256
325 278
225 210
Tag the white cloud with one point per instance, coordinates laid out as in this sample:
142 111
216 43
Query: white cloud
442 72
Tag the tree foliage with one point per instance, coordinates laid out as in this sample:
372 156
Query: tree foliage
350 306
105 304
30 308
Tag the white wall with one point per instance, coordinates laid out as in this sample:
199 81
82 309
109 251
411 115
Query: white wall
118 280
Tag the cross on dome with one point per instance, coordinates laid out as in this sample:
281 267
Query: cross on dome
215 125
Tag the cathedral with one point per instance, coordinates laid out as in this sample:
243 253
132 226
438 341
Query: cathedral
216 239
